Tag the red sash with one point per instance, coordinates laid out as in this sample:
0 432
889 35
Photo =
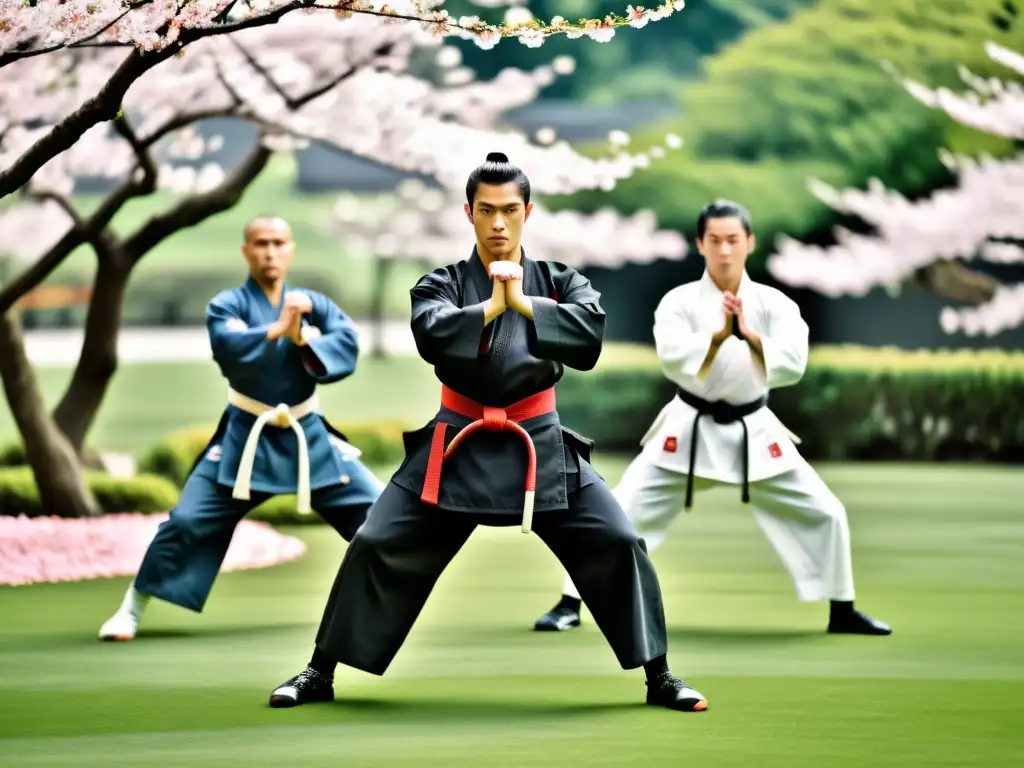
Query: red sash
494 420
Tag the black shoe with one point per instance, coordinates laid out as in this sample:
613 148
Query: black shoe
559 619
672 693
307 687
856 623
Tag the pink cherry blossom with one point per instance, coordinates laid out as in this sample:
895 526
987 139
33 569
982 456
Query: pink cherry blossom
50 25
366 103
424 223
966 222
35 550
155 31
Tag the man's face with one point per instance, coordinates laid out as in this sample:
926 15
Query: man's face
725 247
498 215
269 249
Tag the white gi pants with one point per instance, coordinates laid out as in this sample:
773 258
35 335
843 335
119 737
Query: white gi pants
802 518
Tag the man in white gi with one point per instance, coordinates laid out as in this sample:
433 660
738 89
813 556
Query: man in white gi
725 341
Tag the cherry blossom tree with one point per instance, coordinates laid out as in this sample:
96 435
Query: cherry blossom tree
428 226
981 218
345 85
155 31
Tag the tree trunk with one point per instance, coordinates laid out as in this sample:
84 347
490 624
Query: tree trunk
54 463
378 296
955 281
97 361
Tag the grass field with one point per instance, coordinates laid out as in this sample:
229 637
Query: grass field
936 550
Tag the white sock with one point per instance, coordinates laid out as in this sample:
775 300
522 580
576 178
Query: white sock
134 602
569 589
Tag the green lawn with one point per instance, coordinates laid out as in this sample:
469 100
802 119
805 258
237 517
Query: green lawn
937 553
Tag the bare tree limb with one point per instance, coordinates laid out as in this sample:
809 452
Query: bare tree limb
63 202
34 275
315 93
262 71
187 118
141 150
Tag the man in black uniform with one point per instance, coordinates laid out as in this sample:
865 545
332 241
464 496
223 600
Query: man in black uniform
497 424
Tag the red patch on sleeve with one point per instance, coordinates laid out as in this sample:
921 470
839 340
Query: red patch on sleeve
775 450
671 444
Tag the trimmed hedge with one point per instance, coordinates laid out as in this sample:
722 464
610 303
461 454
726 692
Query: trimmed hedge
142 493
12 455
281 510
380 442
853 403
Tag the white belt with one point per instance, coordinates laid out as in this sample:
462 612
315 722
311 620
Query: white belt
280 416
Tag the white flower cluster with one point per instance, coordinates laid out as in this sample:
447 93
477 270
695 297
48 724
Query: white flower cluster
49 25
965 222
365 103
418 222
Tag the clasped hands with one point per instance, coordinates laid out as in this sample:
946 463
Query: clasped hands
508 289
732 305
289 324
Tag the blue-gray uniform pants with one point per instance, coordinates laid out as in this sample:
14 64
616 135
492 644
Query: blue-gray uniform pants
185 556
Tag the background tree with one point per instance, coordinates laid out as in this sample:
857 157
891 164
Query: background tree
638 67
347 85
154 32
831 113
428 226
929 239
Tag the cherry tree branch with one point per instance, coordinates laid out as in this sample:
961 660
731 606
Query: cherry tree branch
141 150
90 230
106 104
195 209
21 52
63 202
102 242
932 240
143 181
100 108
177 33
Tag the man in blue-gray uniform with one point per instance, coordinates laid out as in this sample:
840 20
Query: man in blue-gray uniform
274 345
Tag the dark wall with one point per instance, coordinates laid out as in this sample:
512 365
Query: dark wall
631 294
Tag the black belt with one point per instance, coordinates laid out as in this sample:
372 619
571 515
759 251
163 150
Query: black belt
723 413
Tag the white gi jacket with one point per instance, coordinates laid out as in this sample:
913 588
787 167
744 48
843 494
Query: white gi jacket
684 322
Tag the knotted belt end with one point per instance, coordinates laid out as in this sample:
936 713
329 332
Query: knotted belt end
432 481
282 416
528 511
